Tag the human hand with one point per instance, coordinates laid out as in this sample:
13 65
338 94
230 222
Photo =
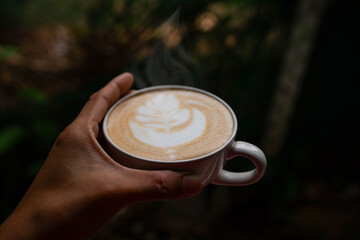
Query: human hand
80 188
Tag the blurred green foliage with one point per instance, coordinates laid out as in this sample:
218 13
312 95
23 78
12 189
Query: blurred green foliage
33 95
7 52
9 137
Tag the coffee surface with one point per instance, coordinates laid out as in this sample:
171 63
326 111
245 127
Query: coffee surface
170 125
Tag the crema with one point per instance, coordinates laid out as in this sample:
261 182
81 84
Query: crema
170 125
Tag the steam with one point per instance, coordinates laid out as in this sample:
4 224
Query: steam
168 62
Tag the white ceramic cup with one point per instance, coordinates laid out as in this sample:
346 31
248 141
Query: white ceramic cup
210 166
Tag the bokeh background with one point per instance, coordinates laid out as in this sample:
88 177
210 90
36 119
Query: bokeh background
288 69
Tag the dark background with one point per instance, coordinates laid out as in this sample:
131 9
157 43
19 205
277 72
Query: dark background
53 55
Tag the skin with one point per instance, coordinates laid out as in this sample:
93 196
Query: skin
80 188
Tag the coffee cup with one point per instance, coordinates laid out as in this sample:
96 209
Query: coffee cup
179 128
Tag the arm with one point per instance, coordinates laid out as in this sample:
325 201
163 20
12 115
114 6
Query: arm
80 188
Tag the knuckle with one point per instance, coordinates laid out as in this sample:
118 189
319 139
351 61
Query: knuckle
167 184
99 96
62 138
94 95
72 134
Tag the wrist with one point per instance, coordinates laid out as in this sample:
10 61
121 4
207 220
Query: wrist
37 217
54 216
21 224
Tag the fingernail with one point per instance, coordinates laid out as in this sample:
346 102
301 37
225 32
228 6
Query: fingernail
191 185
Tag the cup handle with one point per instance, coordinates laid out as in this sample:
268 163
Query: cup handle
249 151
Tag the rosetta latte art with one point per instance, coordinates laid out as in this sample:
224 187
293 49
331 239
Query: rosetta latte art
170 125
164 122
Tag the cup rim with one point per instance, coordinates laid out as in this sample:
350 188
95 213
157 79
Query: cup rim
169 87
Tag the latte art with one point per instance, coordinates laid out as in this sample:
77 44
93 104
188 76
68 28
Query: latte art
170 125
163 122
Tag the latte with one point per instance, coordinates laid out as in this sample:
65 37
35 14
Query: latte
170 124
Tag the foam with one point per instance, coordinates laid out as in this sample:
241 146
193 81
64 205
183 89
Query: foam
170 125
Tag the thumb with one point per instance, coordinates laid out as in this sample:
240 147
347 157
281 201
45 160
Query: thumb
164 184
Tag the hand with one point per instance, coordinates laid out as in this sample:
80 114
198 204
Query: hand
79 188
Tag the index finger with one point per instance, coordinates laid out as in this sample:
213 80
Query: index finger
101 101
